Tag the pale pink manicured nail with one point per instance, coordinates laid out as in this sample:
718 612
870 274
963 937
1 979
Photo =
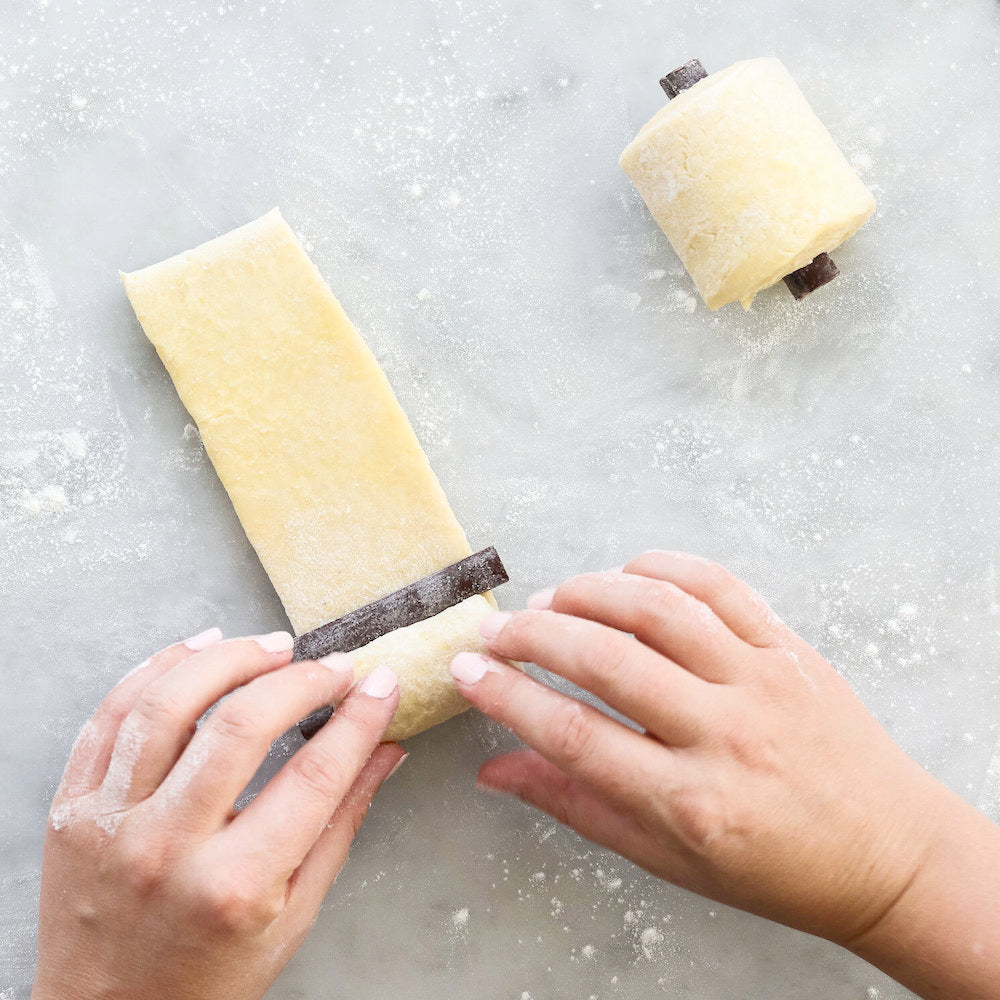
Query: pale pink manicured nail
491 625
275 642
395 767
380 683
342 664
203 639
469 668
542 601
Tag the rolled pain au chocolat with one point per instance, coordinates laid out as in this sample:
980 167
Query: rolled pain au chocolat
745 181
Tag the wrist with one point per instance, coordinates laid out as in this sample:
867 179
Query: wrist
938 935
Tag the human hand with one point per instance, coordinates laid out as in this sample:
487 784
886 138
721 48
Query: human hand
152 886
760 779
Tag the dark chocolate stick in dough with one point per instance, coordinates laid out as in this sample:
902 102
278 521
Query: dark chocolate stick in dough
414 603
678 80
806 279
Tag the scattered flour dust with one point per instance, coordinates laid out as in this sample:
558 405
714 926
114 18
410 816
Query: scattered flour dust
650 942
460 918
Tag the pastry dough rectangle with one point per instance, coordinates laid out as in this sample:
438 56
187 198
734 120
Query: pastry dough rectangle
322 466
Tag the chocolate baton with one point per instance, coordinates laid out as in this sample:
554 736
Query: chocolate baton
678 80
414 603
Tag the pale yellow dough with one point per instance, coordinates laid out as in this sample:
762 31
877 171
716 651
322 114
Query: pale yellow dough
745 181
319 460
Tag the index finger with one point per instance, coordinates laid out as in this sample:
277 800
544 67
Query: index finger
284 822
583 742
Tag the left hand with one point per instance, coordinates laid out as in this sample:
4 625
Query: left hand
152 886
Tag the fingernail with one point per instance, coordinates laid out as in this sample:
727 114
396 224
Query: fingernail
492 624
203 639
469 668
342 664
380 683
542 601
275 642
399 763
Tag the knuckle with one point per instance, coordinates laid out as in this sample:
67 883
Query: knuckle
556 807
143 864
716 578
652 605
236 906
608 657
573 734
64 818
235 720
113 710
524 635
699 815
319 774
552 797
522 629
753 750
158 707
363 716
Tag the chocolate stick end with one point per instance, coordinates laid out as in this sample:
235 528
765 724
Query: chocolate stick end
814 275
680 79
312 724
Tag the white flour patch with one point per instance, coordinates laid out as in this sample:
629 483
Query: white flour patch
64 815
650 942
47 500
84 748
193 759
118 781
74 445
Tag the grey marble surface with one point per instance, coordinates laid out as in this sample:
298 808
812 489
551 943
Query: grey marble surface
453 170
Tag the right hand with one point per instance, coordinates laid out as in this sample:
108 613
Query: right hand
756 777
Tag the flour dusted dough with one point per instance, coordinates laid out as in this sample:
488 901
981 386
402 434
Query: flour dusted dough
745 181
420 655
318 458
